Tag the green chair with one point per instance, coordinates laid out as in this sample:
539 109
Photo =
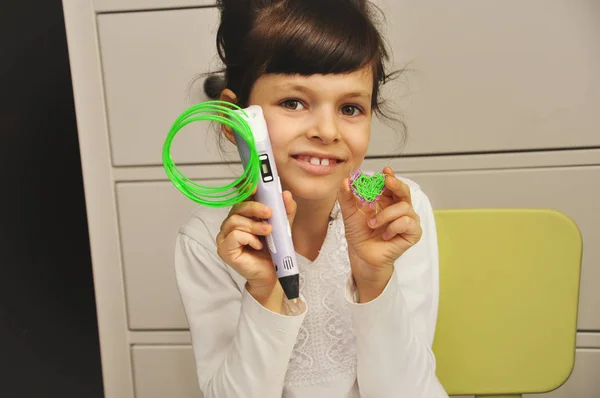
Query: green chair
509 291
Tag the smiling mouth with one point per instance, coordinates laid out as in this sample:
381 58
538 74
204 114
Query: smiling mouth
315 161
317 166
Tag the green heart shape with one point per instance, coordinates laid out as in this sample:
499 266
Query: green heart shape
367 188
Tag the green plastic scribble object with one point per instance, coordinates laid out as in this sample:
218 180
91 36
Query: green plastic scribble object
368 188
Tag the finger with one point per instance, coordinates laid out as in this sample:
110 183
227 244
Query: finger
247 187
392 213
237 222
251 209
220 238
406 227
255 189
396 187
346 198
388 173
235 241
290 206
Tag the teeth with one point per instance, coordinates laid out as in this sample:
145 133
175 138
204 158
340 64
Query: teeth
317 161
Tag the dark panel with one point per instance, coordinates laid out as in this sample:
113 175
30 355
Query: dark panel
48 330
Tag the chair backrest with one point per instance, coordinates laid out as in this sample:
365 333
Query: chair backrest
509 291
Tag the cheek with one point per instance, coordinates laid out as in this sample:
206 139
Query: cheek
278 135
358 141
274 127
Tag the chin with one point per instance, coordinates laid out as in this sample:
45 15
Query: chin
314 189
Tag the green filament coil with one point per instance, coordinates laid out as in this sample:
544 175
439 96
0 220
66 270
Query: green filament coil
214 196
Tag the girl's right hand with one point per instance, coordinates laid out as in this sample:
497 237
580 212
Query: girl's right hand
239 246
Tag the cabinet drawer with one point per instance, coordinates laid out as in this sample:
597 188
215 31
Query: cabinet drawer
478 84
164 371
129 5
492 76
150 63
169 371
584 381
150 214
572 190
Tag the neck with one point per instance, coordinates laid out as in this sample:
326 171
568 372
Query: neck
310 225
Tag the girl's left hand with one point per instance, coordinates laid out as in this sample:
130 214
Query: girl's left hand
376 240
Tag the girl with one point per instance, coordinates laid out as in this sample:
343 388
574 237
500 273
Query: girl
365 322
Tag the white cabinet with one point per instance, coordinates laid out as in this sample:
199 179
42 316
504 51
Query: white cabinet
501 100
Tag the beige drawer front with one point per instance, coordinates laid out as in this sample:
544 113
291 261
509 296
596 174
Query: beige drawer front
164 372
488 76
128 5
169 371
584 381
149 61
150 214
480 83
572 190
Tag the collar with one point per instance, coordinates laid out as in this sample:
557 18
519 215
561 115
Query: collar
335 211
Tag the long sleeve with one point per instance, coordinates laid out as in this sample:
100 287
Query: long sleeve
394 332
241 348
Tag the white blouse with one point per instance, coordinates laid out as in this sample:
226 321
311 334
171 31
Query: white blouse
327 345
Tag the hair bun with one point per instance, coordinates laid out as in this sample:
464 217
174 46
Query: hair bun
362 4
213 86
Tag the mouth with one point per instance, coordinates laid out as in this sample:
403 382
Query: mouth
318 161
317 165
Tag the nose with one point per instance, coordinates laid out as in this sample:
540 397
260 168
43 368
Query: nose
325 129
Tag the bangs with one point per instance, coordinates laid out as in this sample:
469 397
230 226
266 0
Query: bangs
304 37
315 37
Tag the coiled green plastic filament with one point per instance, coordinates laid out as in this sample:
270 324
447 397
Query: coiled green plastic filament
214 196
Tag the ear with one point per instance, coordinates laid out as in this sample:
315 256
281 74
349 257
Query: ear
229 96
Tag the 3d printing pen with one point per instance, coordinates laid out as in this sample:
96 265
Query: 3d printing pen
269 193
254 146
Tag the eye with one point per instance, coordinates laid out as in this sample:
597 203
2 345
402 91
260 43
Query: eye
351 110
292 104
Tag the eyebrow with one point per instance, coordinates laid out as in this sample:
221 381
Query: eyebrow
303 89
359 94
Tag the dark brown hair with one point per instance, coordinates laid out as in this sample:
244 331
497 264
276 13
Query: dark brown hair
299 37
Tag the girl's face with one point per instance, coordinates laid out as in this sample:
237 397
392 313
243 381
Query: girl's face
319 127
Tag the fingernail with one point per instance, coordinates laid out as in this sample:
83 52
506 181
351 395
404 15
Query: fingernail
372 222
385 236
264 227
